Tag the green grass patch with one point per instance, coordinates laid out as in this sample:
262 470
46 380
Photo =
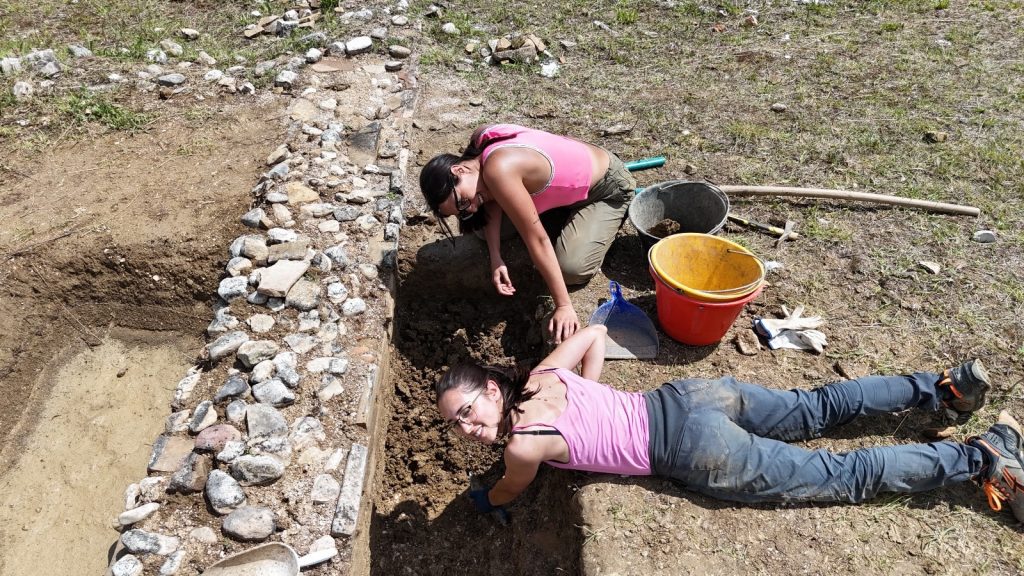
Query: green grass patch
84 107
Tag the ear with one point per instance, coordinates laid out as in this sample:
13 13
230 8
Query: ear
459 169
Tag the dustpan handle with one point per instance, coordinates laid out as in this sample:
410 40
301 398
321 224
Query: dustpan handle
615 290
317 557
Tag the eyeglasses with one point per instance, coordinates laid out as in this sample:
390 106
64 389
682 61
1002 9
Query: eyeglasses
462 205
464 413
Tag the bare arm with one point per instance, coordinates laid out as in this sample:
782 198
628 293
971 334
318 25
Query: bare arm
492 234
507 188
585 347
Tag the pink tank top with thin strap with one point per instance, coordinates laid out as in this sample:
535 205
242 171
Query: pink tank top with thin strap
569 159
606 429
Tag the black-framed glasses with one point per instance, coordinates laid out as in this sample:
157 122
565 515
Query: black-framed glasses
464 413
462 205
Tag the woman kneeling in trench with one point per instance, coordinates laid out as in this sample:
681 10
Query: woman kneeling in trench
513 173
721 437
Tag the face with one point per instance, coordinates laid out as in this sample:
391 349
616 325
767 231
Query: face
475 414
464 199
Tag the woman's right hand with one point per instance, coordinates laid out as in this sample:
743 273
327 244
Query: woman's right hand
502 281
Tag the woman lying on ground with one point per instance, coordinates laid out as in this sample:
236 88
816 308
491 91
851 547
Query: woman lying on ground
724 438
516 173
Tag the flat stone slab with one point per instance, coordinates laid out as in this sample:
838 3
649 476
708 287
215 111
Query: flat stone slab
347 512
169 453
278 279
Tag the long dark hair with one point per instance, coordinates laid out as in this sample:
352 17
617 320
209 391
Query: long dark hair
474 377
438 183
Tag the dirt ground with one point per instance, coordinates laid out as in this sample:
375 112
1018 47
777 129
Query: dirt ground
857 267
112 244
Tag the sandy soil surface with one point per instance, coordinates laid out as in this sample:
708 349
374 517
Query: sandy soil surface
112 248
60 500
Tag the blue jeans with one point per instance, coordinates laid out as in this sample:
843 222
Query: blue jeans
728 440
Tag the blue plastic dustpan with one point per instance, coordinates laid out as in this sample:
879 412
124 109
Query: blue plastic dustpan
631 334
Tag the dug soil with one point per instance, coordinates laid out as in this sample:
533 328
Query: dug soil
112 247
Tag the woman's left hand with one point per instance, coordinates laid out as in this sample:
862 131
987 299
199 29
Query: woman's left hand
563 323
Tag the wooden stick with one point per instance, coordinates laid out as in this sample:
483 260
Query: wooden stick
848 195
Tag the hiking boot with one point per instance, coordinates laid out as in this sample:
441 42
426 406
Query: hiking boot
1002 477
963 388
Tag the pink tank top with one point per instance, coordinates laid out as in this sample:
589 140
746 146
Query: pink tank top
606 429
569 160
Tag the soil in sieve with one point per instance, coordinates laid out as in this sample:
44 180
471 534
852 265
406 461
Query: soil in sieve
424 522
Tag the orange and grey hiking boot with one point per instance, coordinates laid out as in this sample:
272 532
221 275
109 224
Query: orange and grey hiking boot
963 389
1002 477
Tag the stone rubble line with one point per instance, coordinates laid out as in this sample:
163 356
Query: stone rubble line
45 63
315 262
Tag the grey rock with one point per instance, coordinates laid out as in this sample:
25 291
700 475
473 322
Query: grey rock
297 250
264 67
300 343
353 307
274 392
367 222
338 256
393 65
232 288
22 90
142 542
226 345
171 79
258 470
232 450
984 236
191 477
203 416
205 59
450 28
79 51
313 55
235 411
358 45
262 372
127 565
173 563
49 70
261 323
280 154
397 51
279 235
285 79
239 266
129 517
391 232
325 489
330 387
254 217
249 524
347 511
168 453
277 280
336 292
399 20
275 304
152 488
213 75
304 295
309 321
171 47
255 351
264 421
177 422
282 215
222 321
223 492
10 66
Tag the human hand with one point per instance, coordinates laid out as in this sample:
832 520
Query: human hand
502 281
563 323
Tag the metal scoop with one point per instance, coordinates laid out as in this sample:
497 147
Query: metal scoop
271 559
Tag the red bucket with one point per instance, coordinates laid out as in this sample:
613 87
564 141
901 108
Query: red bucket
695 322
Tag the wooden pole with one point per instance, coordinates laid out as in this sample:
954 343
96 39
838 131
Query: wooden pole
848 195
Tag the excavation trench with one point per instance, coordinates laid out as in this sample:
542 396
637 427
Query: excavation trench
423 521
